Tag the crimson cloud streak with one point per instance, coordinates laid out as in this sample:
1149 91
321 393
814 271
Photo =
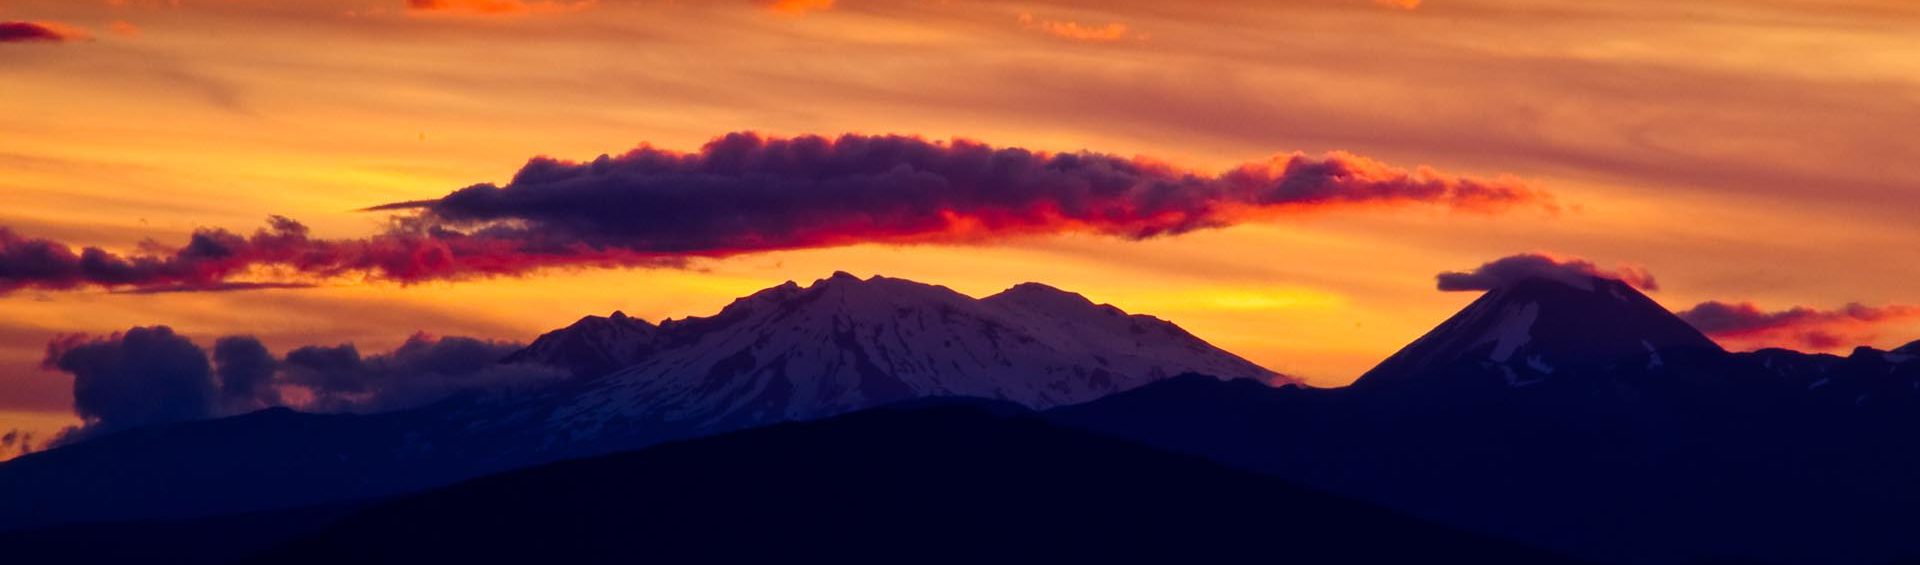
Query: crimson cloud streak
747 193
1750 326
22 32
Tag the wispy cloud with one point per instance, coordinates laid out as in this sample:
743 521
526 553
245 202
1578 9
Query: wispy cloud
1506 271
497 7
797 7
1064 29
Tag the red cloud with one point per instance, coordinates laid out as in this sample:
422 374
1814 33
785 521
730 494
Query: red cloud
797 7
496 7
1506 271
46 32
1748 326
124 29
1109 33
745 193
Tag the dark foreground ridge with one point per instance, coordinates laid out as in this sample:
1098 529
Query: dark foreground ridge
939 482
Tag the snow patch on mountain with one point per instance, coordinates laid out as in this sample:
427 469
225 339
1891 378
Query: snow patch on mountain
1514 330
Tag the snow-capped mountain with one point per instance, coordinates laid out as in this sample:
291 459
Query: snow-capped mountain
1528 331
843 343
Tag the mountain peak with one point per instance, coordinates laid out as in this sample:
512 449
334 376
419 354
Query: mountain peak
1036 287
841 277
1033 294
1587 283
593 345
1530 330
617 319
844 343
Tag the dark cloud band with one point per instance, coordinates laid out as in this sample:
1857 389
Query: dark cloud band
745 193
28 32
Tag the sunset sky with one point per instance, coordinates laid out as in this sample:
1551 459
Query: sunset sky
1753 153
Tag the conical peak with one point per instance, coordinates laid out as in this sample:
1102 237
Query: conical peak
1538 327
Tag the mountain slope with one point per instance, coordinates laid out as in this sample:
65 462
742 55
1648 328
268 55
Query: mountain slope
1526 332
946 483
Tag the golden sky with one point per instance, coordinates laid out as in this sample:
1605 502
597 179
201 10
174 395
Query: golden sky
1740 150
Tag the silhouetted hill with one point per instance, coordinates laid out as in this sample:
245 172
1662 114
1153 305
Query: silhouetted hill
949 483
217 540
1746 458
269 459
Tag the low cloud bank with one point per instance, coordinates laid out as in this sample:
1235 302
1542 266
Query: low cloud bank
151 375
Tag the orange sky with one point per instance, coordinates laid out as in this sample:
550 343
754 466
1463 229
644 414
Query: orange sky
1741 150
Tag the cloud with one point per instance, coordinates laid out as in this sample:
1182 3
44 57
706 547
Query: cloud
1507 271
746 193
204 263
1108 33
151 375
245 373
38 32
797 7
1745 324
142 377
423 370
124 29
496 7
219 287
